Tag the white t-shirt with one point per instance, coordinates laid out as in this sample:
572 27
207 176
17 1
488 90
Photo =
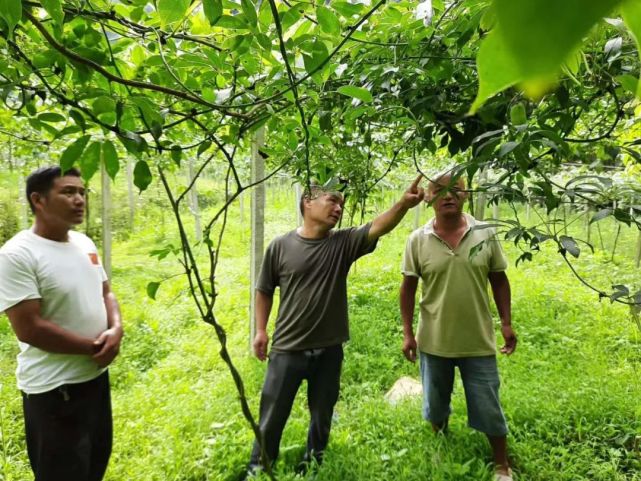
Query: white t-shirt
68 278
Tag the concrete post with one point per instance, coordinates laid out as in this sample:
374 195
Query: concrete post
257 224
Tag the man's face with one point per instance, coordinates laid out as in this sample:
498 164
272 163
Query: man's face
445 197
326 208
64 204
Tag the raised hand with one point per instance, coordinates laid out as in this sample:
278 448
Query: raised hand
414 194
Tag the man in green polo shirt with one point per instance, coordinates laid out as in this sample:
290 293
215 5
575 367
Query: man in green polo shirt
456 327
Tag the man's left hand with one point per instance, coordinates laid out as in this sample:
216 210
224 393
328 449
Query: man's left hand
107 346
510 339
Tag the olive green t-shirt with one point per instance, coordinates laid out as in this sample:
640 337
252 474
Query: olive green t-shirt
455 311
312 277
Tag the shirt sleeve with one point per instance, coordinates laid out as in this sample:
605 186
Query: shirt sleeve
17 281
411 265
268 277
358 244
498 261
94 250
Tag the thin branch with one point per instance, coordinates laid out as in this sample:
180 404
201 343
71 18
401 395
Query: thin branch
293 85
114 78
25 139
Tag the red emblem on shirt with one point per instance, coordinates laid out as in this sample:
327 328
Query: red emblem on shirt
93 257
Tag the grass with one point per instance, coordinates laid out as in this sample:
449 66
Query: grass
571 391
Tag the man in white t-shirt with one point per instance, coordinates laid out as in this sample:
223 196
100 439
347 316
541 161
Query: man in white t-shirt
67 321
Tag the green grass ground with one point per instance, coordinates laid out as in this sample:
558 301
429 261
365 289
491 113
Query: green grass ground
571 392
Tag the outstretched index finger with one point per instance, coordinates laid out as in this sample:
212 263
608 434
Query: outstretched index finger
416 182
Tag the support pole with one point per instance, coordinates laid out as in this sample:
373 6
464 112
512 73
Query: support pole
130 193
481 197
298 191
193 201
106 219
22 200
257 225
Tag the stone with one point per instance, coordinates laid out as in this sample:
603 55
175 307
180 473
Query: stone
404 387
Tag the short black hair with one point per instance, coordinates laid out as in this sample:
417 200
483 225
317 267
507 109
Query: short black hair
41 180
312 193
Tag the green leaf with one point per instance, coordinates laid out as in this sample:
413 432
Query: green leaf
628 82
319 55
142 175
171 11
496 69
213 10
631 11
103 105
152 289
110 159
474 251
325 120
51 117
249 9
72 153
328 22
227 21
531 42
570 245
619 291
133 142
602 214
348 10
359 93
11 11
203 147
54 9
507 147
176 154
541 34
78 119
90 161
517 114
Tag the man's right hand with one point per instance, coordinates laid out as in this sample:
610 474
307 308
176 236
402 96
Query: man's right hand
409 348
261 340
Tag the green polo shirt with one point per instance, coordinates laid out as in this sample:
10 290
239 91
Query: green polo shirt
455 307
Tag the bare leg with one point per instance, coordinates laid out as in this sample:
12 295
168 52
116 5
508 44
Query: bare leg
499 453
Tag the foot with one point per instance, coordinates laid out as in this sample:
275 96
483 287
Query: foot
310 462
442 427
503 474
253 471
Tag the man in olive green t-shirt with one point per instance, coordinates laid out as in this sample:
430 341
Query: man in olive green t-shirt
456 328
309 266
